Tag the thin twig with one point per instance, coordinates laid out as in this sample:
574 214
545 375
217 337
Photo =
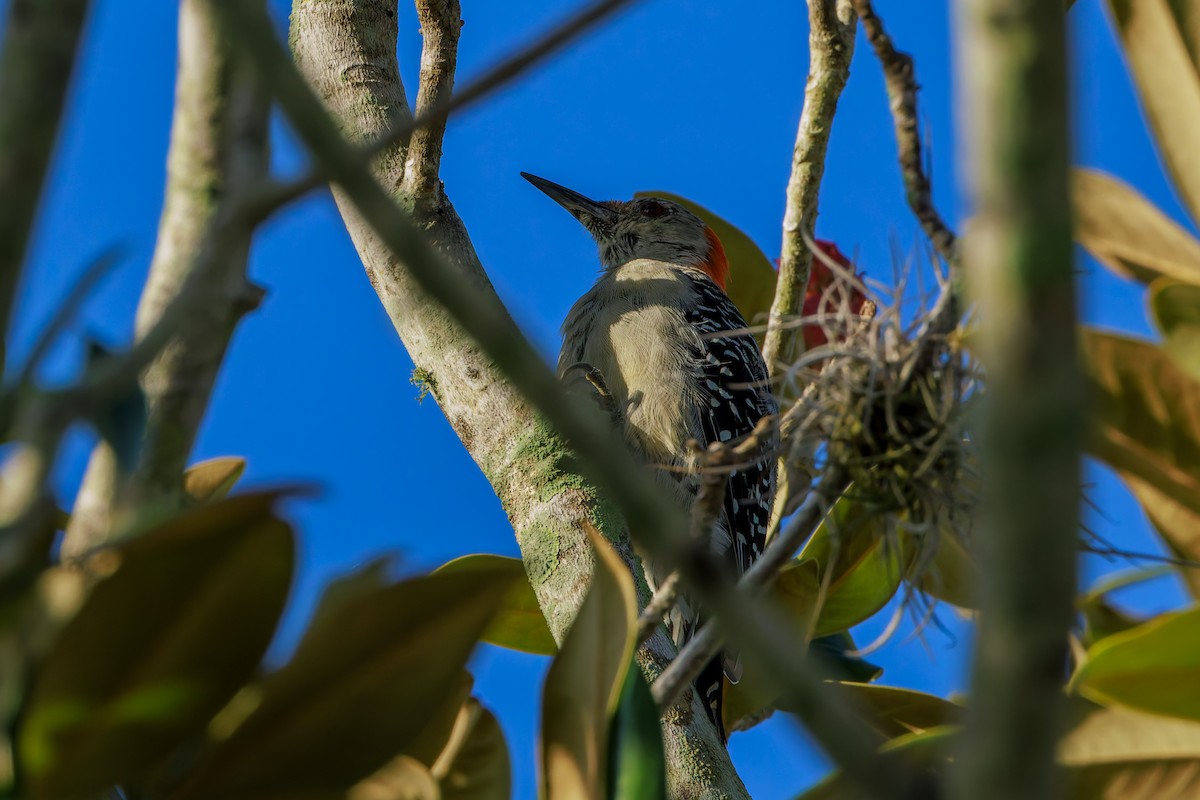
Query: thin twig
65 315
653 521
441 21
900 79
830 46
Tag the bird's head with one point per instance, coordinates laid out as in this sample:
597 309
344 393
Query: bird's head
647 227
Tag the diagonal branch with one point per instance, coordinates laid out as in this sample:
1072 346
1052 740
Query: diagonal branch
41 38
830 47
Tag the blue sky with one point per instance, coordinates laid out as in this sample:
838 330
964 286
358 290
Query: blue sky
691 96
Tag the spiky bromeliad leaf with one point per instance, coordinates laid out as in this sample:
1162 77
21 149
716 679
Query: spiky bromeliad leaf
160 645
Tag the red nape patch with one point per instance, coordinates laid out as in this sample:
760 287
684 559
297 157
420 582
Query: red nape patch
716 265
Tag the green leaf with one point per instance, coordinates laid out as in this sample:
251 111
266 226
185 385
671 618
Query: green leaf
160 645
1176 310
1126 233
519 623
207 481
1154 667
1116 752
951 575
636 762
585 680
1147 427
373 670
751 274
859 568
1160 40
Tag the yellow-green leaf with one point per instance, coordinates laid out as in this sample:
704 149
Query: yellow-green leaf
1154 667
1160 39
1126 233
1120 753
365 682
1147 428
584 682
751 275
213 479
1176 309
519 623
160 645
860 568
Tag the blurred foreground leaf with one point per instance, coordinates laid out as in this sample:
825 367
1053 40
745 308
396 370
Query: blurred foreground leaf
751 275
1126 233
519 623
373 669
585 680
1154 667
160 645
636 763
1147 428
474 765
1160 40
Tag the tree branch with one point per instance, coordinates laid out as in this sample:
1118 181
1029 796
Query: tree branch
831 26
1014 140
41 38
218 151
441 21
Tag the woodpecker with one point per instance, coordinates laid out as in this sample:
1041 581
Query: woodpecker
678 365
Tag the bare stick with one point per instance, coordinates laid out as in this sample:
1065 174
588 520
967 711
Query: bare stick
1014 149
831 27
441 21
36 61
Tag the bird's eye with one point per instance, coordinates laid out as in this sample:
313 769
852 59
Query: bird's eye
653 210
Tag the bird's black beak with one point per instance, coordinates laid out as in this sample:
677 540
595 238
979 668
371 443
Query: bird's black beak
594 216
